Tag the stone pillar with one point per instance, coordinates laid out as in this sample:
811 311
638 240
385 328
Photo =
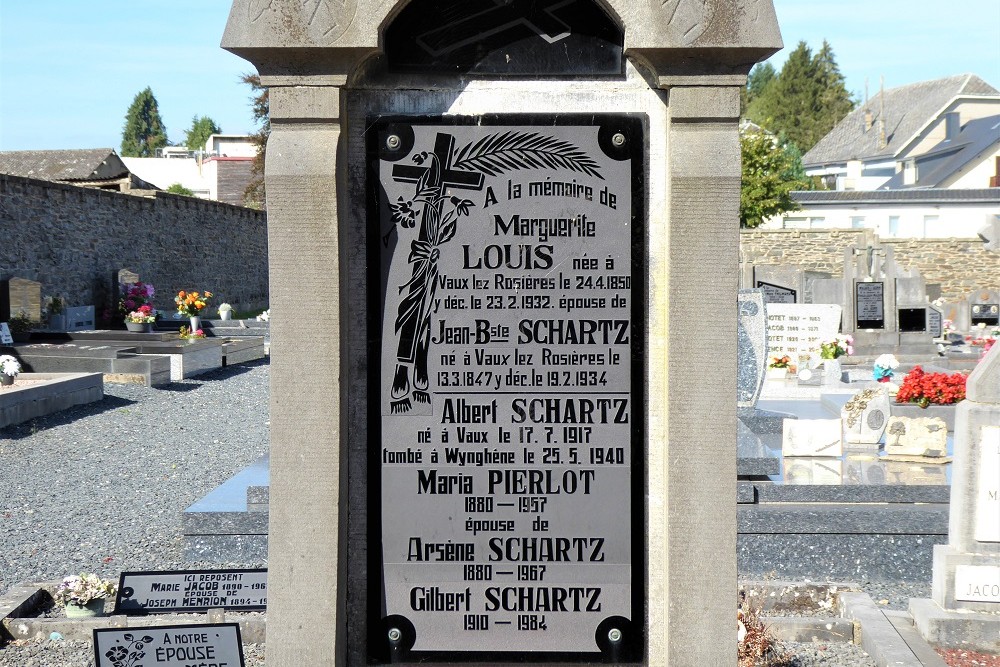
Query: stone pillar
306 454
702 271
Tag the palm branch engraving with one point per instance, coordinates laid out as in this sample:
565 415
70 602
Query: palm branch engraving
510 151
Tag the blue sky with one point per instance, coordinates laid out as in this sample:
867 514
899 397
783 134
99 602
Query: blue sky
69 68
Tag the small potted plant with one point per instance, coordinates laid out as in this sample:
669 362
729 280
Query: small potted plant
830 352
141 319
20 327
884 367
84 594
225 312
189 334
9 368
55 306
777 369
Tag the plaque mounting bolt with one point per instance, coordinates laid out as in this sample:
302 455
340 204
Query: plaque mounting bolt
615 635
392 142
395 635
618 139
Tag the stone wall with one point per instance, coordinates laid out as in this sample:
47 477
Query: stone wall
71 239
958 265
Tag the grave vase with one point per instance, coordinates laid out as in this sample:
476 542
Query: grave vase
6 379
92 608
57 322
139 327
195 323
225 315
832 371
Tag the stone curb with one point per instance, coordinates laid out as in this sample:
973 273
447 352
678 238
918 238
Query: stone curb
25 599
810 629
876 634
907 629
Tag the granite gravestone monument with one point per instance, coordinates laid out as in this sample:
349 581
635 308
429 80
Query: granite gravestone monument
345 79
19 295
965 609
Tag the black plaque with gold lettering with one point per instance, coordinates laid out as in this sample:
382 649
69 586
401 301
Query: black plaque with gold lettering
507 261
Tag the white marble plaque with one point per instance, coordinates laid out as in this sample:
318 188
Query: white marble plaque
916 436
988 490
812 437
796 329
977 583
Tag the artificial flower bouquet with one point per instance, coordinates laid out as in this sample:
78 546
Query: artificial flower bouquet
780 362
837 347
144 314
931 388
190 304
83 588
885 366
134 295
9 365
187 334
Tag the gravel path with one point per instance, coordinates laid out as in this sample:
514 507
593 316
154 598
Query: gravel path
101 488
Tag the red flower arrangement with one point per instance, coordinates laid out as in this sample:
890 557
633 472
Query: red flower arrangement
931 388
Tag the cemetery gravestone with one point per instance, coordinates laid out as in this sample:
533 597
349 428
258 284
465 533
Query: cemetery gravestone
984 308
18 295
797 330
170 645
751 332
919 436
780 284
812 437
80 318
333 69
966 583
865 416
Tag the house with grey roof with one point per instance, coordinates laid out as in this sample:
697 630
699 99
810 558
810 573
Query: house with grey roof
873 143
99 168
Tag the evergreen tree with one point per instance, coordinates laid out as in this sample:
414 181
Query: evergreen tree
144 131
199 132
760 77
805 100
178 189
254 195
771 170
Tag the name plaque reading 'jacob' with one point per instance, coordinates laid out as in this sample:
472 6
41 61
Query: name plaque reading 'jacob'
509 397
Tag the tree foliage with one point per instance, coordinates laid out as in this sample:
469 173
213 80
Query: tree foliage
254 195
804 101
762 75
144 131
178 189
197 135
771 170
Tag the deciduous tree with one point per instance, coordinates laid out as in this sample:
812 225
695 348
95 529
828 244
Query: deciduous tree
254 195
772 169
201 129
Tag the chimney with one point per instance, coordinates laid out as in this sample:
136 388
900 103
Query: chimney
952 125
868 119
881 113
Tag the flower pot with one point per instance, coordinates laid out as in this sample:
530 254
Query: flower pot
139 327
92 608
7 379
57 322
225 315
195 323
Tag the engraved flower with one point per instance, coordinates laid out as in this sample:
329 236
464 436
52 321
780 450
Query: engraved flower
116 653
462 206
403 213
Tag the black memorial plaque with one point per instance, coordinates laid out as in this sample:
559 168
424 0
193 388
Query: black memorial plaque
869 305
912 320
507 388
776 293
183 591
205 645
985 313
